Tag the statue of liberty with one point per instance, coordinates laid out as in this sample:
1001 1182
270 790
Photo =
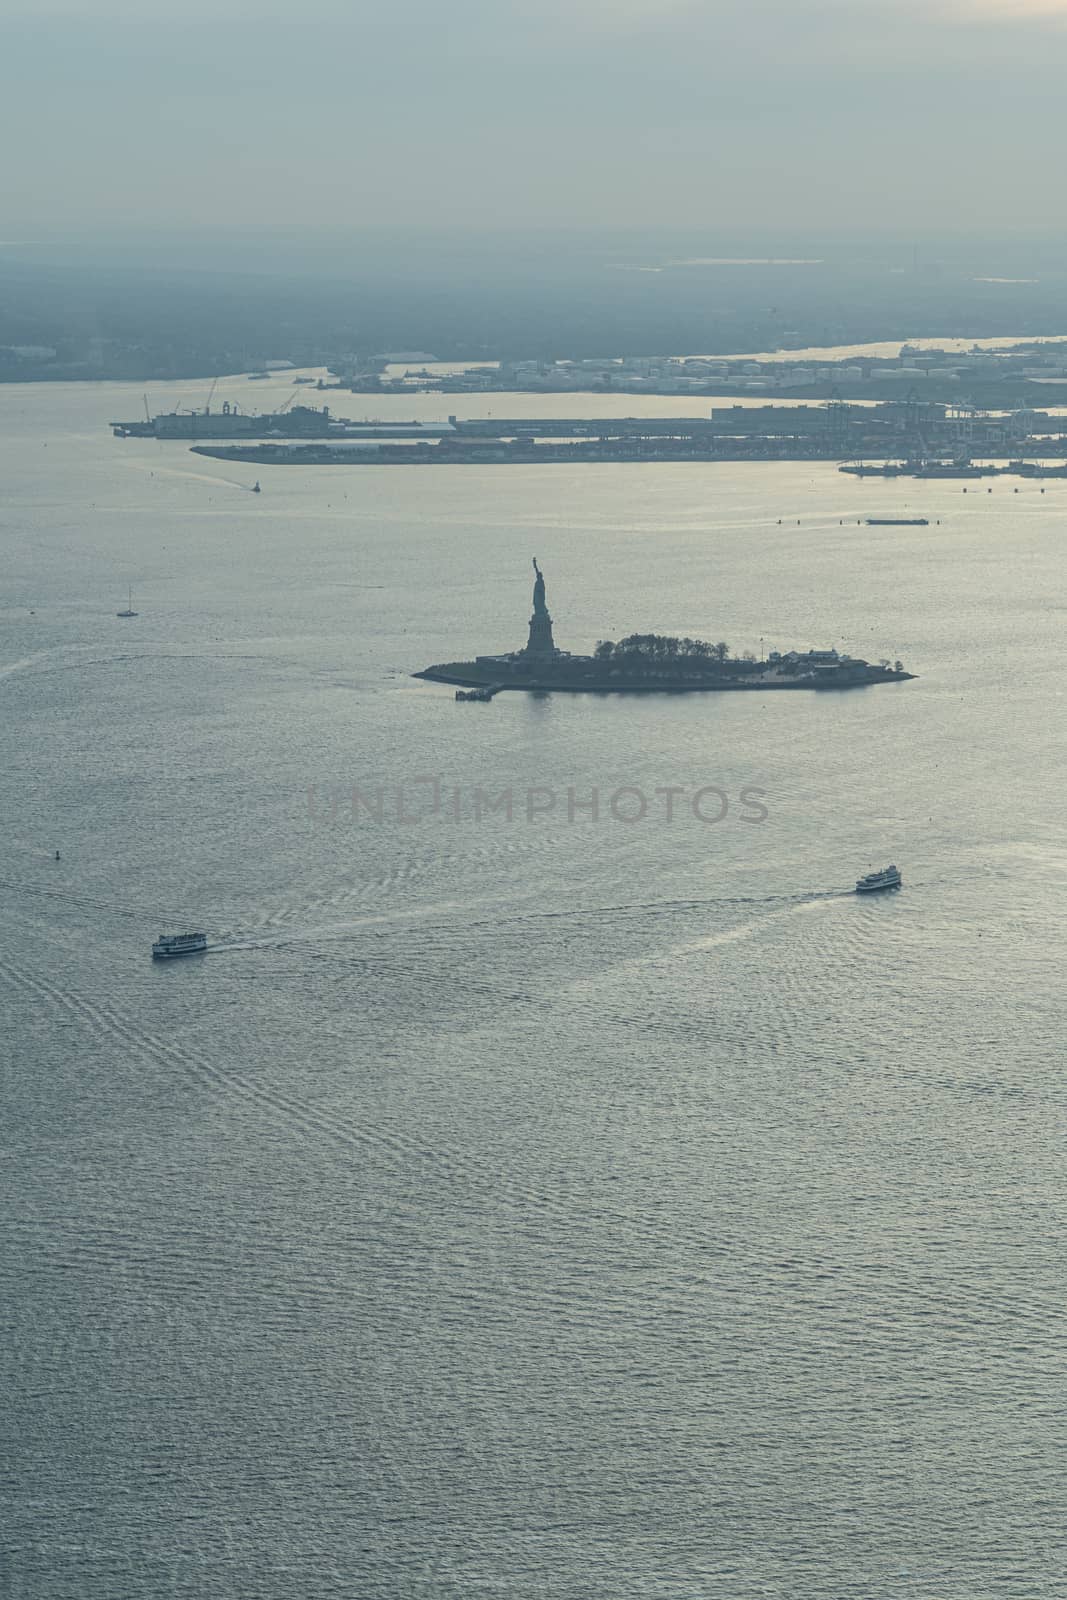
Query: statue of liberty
540 642
539 590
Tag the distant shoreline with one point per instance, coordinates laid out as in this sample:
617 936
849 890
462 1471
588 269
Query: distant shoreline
201 371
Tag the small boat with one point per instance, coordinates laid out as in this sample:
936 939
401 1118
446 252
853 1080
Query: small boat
887 878
129 611
169 945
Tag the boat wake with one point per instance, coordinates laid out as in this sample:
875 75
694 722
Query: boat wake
157 471
446 915
275 934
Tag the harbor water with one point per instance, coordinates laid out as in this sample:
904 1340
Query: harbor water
553 1180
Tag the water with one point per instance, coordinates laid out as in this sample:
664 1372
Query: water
590 1209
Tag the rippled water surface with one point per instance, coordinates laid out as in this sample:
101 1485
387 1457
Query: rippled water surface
584 1208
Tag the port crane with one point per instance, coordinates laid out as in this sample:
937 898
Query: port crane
961 419
838 419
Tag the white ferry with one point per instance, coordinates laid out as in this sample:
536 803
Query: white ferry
169 945
887 878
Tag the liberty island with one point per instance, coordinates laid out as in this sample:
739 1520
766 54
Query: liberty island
653 663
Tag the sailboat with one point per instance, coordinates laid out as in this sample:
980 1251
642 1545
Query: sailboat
129 611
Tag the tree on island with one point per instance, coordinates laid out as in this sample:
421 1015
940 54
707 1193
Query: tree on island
655 649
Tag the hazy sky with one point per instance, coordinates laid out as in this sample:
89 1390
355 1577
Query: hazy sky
908 113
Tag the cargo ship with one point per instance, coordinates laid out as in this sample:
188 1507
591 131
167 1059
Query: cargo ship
230 422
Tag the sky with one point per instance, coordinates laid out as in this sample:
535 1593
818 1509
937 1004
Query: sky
826 114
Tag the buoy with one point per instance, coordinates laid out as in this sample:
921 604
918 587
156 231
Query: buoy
57 855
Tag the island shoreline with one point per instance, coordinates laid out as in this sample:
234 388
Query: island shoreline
468 675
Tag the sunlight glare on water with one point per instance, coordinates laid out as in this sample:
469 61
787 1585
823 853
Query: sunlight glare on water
579 1208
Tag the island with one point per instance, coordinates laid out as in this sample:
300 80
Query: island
647 663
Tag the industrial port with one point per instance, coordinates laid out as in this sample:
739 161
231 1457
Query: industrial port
896 438
907 433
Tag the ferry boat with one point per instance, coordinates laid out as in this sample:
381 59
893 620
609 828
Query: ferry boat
887 878
477 694
169 945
